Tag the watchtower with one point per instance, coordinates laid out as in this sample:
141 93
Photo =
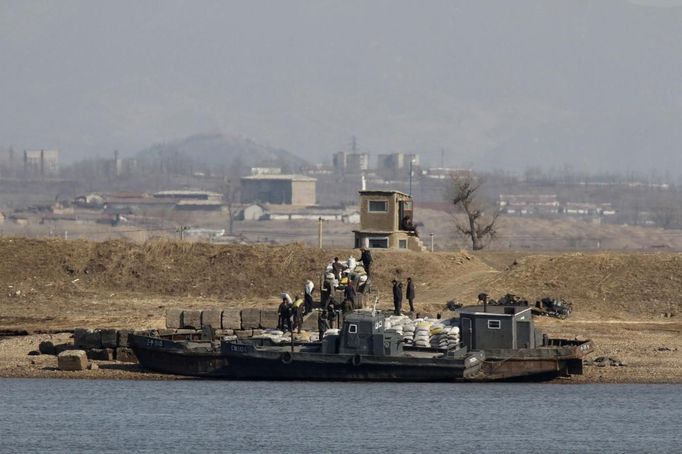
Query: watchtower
387 222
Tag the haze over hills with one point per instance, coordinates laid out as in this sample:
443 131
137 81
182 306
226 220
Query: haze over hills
497 84
219 150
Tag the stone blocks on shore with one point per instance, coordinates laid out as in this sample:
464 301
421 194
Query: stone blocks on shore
101 354
191 319
174 318
232 319
72 360
122 337
269 319
87 338
250 318
212 318
109 338
125 355
46 348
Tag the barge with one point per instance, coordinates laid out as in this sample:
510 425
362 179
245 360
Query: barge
498 343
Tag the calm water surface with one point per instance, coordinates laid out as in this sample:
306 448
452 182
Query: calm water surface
208 416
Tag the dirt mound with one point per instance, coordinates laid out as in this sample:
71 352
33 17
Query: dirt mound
57 268
610 284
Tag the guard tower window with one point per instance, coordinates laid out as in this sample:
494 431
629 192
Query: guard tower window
377 206
494 324
352 328
378 243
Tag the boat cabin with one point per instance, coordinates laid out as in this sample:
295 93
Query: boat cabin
487 327
363 333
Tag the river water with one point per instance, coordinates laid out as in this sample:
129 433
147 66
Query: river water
38 415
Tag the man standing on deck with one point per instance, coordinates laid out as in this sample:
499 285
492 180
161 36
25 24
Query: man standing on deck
322 324
349 293
366 259
409 293
308 296
326 293
397 296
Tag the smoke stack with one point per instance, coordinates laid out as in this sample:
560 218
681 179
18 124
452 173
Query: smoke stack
364 182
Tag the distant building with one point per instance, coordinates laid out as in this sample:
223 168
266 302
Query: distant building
182 194
41 163
445 173
279 189
350 163
266 170
392 165
528 204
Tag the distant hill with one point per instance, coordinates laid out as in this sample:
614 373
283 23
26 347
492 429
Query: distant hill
219 151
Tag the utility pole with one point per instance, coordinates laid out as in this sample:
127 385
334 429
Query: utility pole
182 230
411 162
431 235
319 232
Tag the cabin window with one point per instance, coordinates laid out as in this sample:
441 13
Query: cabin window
352 328
494 324
378 243
377 206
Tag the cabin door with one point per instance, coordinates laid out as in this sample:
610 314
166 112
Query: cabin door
467 333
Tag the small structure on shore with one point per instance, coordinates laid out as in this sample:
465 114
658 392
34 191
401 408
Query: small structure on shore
387 222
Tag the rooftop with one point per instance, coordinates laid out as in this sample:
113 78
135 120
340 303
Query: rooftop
382 192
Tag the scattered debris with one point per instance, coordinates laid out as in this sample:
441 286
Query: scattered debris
604 361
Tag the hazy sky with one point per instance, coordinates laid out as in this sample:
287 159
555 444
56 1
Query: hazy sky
591 84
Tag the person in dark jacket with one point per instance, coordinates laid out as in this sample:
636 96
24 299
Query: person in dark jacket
397 296
285 312
281 311
350 294
366 259
409 293
322 323
331 313
326 293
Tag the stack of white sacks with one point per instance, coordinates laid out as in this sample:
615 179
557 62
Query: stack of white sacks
425 332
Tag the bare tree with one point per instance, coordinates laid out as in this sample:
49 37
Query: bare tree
477 225
231 194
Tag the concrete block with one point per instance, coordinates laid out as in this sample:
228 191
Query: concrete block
87 338
101 354
191 319
109 338
212 317
168 331
243 333
174 318
46 348
257 332
250 318
268 319
122 337
72 360
224 332
63 347
232 319
125 355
